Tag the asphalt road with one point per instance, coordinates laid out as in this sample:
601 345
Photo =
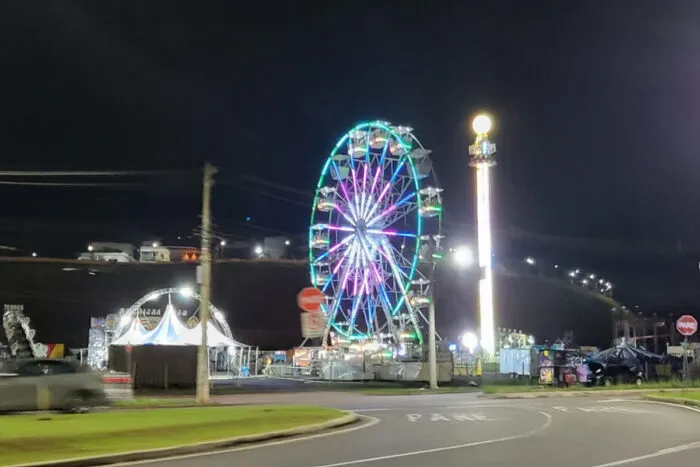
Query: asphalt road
463 430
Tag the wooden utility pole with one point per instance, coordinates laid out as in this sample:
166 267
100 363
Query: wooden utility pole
205 290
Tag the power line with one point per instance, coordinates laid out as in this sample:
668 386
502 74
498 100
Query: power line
73 184
85 173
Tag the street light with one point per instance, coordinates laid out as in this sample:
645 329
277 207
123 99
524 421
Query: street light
481 159
258 250
34 254
470 341
463 256
91 248
530 260
222 243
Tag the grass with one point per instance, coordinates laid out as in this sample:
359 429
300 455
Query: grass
154 402
37 438
683 395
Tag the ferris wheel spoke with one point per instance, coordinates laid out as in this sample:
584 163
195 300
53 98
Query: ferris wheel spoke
392 208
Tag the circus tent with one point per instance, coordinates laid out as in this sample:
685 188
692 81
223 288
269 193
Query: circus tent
171 331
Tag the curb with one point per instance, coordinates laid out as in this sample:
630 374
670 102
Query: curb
674 400
207 446
565 393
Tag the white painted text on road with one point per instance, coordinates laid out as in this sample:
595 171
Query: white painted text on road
454 417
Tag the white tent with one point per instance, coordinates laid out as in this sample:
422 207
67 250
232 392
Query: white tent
133 336
171 331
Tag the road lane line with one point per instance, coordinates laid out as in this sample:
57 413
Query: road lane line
662 452
446 448
669 404
372 421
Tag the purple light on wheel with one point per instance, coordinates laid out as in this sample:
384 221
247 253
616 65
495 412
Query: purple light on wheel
342 228
376 178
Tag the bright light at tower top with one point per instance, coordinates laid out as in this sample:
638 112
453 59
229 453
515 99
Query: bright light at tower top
481 124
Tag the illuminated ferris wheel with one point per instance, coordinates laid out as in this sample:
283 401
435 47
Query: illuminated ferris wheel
375 234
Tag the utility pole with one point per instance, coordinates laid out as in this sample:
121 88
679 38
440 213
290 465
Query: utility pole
205 290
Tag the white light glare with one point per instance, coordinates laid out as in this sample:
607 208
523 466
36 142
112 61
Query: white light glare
91 248
481 124
530 260
125 320
287 242
470 341
155 244
258 250
463 256
222 243
34 254
186 291
219 315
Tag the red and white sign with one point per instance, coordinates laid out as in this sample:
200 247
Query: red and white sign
687 325
310 299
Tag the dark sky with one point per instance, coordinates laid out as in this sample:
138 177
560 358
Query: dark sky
597 107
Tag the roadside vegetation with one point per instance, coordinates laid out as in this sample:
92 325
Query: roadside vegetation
50 437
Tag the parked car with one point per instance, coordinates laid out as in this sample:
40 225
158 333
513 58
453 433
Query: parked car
42 384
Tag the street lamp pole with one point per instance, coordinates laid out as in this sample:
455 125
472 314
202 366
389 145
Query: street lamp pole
432 344
481 159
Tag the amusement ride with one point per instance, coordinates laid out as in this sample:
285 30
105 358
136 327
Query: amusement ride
375 236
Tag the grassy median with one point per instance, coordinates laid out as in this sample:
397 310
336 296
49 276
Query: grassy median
45 437
692 396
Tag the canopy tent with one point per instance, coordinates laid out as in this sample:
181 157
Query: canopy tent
133 336
171 331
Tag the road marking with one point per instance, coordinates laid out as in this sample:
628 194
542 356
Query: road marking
447 448
459 417
662 452
561 409
694 409
370 423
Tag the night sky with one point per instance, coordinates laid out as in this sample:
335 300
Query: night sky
596 106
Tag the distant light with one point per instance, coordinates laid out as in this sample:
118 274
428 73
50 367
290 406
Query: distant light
601 281
463 256
186 291
155 244
530 260
247 219
584 282
481 124
591 276
556 266
258 250
531 340
223 243
578 271
91 248
34 254
572 274
452 347
470 341
287 242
